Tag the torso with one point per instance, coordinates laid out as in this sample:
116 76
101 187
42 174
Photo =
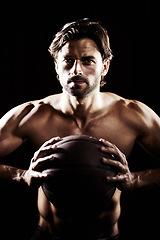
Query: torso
110 123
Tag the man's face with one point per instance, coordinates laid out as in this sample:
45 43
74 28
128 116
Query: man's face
80 67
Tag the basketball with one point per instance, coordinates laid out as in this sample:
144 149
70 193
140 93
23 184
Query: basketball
77 176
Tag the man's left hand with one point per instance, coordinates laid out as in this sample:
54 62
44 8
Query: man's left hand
124 179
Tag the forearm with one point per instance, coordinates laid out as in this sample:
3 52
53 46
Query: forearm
11 173
147 179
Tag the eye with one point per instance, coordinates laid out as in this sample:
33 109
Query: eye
69 60
88 61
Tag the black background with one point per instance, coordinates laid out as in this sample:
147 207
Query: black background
27 73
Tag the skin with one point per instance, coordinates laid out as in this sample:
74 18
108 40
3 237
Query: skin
82 109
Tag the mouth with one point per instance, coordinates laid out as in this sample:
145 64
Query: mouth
77 84
77 80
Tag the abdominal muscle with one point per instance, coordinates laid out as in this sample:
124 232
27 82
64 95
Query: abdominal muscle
101 224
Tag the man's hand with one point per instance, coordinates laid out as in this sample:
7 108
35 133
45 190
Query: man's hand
124 180
43 156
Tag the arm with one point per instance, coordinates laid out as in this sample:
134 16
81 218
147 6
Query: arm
11 138
147 125
126 180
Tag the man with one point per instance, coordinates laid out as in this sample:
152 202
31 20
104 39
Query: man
82 56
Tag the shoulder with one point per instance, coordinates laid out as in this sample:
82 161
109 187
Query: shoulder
9 123
133 112
16 114
124 105
42 109
27 113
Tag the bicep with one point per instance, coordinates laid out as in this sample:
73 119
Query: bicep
150 137
146 125
10 136
9 144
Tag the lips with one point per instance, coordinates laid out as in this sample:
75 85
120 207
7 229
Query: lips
77 80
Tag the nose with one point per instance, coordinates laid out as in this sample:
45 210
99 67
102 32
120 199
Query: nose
76 68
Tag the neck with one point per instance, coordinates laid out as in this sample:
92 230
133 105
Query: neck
81 107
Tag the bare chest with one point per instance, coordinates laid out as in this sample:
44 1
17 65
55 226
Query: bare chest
109 128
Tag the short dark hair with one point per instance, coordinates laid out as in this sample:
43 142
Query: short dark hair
84 28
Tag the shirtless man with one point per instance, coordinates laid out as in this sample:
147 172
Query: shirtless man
82 56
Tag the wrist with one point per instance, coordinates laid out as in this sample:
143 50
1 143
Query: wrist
19 177
132 183
146 179
137 182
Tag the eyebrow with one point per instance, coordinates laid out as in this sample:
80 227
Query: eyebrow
87 57
83 57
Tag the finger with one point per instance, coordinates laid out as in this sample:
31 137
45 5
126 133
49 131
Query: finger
42 152
116 164
105 142
116 153
51 141
109 150
34 178
109 147
37 178
118 178
50 147
37 165
47 150
36 174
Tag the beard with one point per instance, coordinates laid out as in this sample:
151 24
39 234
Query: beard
80 90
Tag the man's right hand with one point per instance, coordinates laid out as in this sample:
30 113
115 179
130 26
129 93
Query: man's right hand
44 155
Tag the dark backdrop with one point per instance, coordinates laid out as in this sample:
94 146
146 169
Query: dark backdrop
27 73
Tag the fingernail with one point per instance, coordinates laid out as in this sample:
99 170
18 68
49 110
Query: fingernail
54 146
103 148
108 178
45 175
57 138
104 160
101 140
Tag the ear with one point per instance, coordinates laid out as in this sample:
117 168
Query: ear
105 69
